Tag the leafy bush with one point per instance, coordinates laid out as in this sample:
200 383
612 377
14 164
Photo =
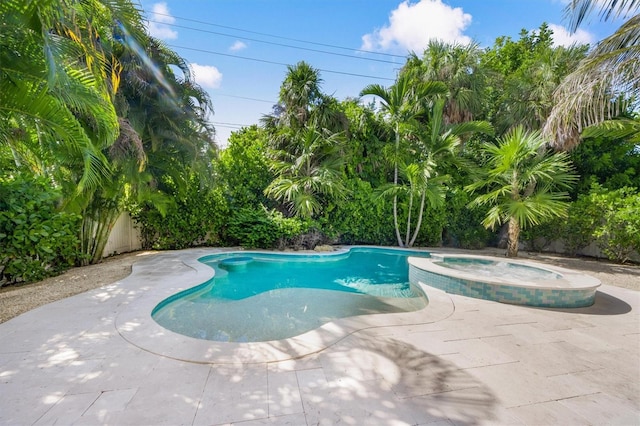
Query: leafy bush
610 218
618 234
197 219
363 218
463 226
261 228
432 227
36 239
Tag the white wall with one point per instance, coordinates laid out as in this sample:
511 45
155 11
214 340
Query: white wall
124 237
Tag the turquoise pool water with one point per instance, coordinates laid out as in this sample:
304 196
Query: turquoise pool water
257 297
499 269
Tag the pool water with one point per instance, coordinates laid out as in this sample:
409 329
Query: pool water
489 268
257 297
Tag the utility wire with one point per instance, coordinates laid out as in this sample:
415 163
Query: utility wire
344 55
276 36
222 123
275 63
247 98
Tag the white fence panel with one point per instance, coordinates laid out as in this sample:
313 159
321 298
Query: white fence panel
124 237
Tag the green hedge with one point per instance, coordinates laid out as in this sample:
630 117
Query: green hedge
36 239
262 228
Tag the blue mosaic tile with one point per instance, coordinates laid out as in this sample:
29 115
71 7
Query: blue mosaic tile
570 298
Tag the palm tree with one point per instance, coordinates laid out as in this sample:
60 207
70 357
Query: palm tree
305 143
402 104
302 104
524 183
57 83
314 169
435 150
164 139
607 81
528 94
459 67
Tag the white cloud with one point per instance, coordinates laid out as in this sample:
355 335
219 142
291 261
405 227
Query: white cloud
412 25
237 45
562 37
207 76
161 16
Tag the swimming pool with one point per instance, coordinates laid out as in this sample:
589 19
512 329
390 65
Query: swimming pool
257 297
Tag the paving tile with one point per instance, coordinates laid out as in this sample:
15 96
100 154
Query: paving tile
161 406
173 389
429 375
23 404
234 394
549 413
118 373
610 382
465 406
359 364
284 394
515 385
547 359
107 407
430 342
585 339
307 363
350 401
286 420
602 409
68 409
475 353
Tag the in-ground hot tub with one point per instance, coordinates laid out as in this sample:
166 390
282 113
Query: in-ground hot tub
509 281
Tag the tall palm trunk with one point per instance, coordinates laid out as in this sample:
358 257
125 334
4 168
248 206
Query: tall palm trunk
417 230
395 183
513 234
408 235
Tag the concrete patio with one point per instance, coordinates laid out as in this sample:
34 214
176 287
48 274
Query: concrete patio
87 360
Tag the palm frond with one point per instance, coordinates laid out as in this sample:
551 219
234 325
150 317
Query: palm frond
603 86
578 10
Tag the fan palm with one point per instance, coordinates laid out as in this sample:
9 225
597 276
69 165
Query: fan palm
608 79
457 66
314 169
302 104
524 183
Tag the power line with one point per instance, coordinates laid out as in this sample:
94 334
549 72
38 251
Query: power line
344 55
247 98
229 127
223 124
276 63
277 36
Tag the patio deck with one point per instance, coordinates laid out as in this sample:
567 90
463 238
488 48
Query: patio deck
475 362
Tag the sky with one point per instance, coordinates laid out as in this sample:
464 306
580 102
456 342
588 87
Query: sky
239 50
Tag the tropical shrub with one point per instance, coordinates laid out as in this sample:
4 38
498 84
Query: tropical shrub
363 218
243 168
262 228
610 218
36 239
194 220
432 227
463 224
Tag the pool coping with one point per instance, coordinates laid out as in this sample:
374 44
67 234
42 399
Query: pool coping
177 271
